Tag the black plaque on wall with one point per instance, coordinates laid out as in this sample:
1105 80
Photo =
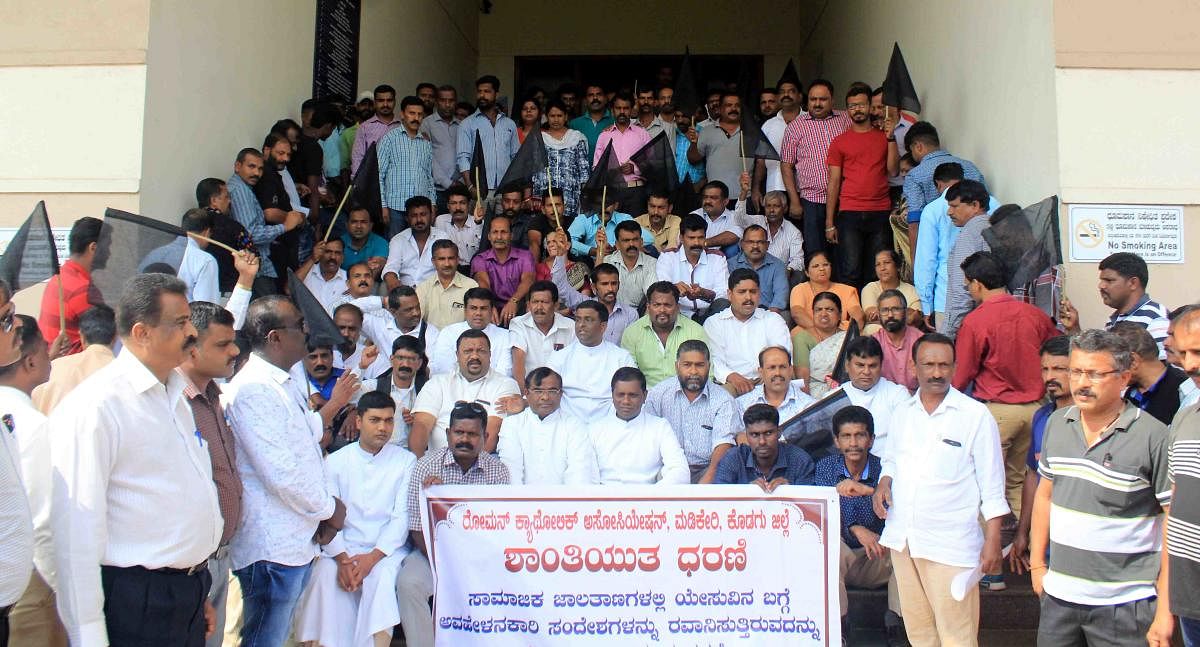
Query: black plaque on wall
335 50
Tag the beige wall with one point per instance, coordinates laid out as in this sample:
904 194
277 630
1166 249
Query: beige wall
405 42
985 78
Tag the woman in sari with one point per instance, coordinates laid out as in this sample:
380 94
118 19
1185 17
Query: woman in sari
820 272
570 163
815 350
887 268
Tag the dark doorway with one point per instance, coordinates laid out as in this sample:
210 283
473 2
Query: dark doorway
621 72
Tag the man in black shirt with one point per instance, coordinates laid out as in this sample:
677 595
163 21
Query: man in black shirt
213 196
273 198
1154 387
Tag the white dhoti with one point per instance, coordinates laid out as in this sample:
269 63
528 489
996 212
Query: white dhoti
334 617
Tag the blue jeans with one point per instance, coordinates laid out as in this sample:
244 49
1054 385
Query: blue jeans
270 592
1190 628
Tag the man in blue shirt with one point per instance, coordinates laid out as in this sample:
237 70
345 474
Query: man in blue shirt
247 171
363 245
321 375
919 189
763 460
582 230
497 133
772 275
855 472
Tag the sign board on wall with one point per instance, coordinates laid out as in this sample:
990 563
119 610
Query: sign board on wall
1153 232
60 240
335 50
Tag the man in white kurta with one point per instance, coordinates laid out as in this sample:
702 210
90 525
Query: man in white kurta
478 306
588 364
544 445
633 446
867 388
737 334
371 477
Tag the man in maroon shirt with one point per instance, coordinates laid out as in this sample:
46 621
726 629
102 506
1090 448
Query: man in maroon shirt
76 278
998 348
856 215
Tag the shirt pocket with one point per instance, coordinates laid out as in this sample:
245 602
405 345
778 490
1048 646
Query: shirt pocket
948 456
1114 492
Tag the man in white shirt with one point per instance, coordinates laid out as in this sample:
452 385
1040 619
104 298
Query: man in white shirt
284 497
701 275
632 446
461 226
635 267
134 511
588 363
739 332
776 386
410 258
351 597
399 313
349 355
789 108
720 229
868 389
407 374
473 380
16 519
784 240
328 283
479 306
33 619
606 286
544 445
942 471
198 268
540 331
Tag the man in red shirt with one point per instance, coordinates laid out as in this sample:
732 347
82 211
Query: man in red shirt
998 348
76 277
860 162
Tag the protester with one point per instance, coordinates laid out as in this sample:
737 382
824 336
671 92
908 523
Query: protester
478 310
539 332
720 148
1181 546
595 120
700 275
247 171
507 271
771 273
361 245
442 295
495 131
587 363
803 162
97 335
406 375
626 138
636 269
784 241
764 461
897 338
410 252
1123 280
16 517
606 287
632 445
740 331
374 128
659 222
74 281
569 157
815 351
440 127
213 196
1153 384
925 146
887 268
464 229
721 232
328 283
967 206
654 339
867 388
544 445
405 166
803 295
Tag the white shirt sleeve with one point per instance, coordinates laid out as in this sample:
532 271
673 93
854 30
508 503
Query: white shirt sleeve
238 304
206 288
395 258
989 468
510 451
675 468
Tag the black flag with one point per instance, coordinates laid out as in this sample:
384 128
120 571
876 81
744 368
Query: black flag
656 163
130 244
31 257
479 166
531 158
898 88
321 329
1025 240
812 428
839 373
364 189
606 173
789 76
687 97
755 144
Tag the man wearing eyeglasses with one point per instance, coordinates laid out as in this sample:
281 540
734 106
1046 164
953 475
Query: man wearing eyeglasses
544 445
1099 507
461 459
896 339
287 508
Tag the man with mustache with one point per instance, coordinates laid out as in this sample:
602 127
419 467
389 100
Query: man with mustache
287 508
740 331
473 380
497 133
587 362
720 148
803 158
505 270
597 117
700 275
763 460
479 306
772 275
858 208
441 295
721 231
967 204
635 268
405 167
544 445
854 472
407 375
461 460
1099 507
410 253
703 416
317 369
606 288
632 445
654 339
329 281
360 244
1123 280
247 171
867 388
354 353
461 226
897 338
789 90
659 222
776 386
941 472
784 242
540 331
627 137
1154 384
1056 364
351 597
136 514
997 349
648 117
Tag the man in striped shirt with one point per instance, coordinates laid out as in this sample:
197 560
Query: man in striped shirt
405 165
802 161
1123 280
1183 520
1099 506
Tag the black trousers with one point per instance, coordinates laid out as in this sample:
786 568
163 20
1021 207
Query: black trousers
144 608
4 611
861 235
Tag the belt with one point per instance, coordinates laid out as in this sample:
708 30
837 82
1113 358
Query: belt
198 568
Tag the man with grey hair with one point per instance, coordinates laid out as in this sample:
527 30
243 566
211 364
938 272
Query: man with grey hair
1099 506
784 240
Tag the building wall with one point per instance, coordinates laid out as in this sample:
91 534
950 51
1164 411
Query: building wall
405 42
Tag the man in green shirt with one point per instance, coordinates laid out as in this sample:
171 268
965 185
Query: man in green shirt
596 119
654 339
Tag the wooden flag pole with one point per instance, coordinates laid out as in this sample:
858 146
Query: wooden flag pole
62 306
603 222
329 229
210 241
742 146
478 189
550 193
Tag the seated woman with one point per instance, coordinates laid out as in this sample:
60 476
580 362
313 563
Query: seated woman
819 271
815 351
887 268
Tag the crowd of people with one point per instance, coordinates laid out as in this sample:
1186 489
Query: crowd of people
191 462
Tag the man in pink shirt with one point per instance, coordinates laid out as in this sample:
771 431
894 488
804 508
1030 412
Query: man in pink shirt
802 161
373 129
896 338
626 138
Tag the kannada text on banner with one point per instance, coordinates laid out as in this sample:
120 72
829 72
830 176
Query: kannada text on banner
717 564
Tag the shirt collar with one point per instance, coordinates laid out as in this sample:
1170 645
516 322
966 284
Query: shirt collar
866 473
781 461
1128 416
448 460
142 380
259 364
1137 306
212 392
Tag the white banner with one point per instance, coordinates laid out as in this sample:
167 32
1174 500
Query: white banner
677 565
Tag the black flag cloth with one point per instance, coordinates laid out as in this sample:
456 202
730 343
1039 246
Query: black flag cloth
789 75
530 160
364 190
606 173
479 166
1025 240
755 144
687 98
898 88
130 244
31 257
839 374
812 429
321 329
656 162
